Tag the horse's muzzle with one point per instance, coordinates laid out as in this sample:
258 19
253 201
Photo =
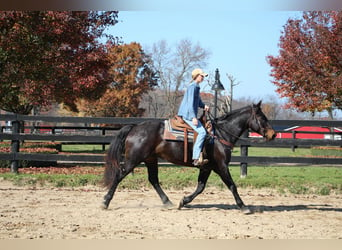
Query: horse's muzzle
270 134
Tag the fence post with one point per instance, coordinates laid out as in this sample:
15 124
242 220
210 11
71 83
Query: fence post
293 137
243 153
53 131
2 130
15 147
103 133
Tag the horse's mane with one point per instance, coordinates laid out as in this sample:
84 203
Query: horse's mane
231 113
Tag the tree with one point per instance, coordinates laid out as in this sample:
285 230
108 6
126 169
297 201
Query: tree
230 98
48 57
174 66
131 76
308 68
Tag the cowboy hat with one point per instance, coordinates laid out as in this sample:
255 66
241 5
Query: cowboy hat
197 72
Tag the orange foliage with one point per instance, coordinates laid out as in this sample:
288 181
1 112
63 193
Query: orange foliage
131 78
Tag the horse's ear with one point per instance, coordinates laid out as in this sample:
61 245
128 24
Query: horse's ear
258 104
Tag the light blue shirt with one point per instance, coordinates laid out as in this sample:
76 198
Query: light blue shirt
191 102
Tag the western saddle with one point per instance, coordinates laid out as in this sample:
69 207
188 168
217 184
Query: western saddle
178 123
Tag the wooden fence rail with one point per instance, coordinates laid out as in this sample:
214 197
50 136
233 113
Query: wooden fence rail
104 135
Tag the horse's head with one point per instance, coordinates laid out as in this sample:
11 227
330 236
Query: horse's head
259 123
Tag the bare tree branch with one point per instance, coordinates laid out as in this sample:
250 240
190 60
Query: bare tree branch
174 66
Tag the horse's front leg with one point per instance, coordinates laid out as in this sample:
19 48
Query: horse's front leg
224 173
202 181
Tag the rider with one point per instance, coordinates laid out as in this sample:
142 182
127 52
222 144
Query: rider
188 110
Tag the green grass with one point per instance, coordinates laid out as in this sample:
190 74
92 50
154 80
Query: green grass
55 180
297 180
252 151
327 151
279 152
287 152
95 149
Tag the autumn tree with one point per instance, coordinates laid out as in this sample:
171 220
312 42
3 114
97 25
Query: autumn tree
48 57
307 70
131 76
174 66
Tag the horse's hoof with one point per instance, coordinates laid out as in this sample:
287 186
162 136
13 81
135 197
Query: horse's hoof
104 205
168 204
246 210
181 204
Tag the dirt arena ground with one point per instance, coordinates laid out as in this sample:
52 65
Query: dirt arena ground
66 213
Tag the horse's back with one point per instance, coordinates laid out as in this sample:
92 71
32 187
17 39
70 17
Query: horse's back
151 125
147 131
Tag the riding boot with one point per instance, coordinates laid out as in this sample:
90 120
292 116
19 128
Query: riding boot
200 161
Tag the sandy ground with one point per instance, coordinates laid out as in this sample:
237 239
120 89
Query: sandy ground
66 213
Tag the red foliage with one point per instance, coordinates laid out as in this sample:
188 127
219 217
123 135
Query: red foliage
52 56
31 147
308 68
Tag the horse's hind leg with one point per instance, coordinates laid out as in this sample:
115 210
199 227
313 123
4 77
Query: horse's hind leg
109 196
202 180
118 175
117 178
152 169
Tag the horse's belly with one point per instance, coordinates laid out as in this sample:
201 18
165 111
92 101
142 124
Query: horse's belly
173 151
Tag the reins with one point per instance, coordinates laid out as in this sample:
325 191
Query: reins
215 136
222 140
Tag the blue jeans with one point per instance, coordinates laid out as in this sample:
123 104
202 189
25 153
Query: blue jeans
200 138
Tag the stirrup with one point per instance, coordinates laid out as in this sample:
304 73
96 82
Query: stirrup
201 161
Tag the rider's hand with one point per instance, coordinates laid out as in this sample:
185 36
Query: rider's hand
194 121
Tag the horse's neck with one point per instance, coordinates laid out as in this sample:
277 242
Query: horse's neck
233 127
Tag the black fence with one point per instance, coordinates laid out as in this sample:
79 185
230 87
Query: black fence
90 130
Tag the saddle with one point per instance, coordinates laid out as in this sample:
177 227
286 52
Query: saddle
177 125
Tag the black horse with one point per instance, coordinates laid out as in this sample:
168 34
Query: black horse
144 143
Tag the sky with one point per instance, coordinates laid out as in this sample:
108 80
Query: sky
239 40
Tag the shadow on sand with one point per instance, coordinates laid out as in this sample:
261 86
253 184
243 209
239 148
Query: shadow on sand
263 208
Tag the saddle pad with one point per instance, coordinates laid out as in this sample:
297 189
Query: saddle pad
175 135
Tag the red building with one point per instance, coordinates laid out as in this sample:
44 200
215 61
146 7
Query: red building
307 132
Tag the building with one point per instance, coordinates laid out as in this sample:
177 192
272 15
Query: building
306 132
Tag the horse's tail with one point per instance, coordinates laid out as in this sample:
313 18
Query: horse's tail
114 155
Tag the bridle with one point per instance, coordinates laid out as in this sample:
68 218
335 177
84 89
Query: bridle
257 121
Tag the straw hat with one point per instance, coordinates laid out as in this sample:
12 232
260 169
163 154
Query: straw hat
197 72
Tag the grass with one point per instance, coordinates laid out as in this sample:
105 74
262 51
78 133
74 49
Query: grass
55 180
296 180
287 152
95 149
279 152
